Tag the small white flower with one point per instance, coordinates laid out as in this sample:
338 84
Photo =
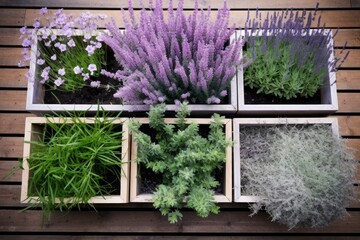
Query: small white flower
92 68
58 82
78 70
61 71
53 57
71 43
40 61
85 76
95 84
62 47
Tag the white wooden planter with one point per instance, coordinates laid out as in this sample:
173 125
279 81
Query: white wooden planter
329 101
36 124
137 196
238 122
36 92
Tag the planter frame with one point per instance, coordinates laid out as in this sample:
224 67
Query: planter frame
136 196
34 124
328 94
238 197
35 95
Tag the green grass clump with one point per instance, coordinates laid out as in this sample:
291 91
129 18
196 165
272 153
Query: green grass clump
71 160
281 71
304 176
185 159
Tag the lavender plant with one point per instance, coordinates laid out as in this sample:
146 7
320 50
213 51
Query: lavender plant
304 175
64 59
185 159
290 59
181 59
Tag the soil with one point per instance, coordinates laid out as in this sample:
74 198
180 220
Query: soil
88 95
251 97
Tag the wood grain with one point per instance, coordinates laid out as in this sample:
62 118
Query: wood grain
355 145
12 100
10 36
349 125
13 78
10 56
349 102
7 167
12 17
348 80
245 4
125 221
11 147
13 123
353 60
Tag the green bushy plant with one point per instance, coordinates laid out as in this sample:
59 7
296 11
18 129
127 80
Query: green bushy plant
304 175
71 160
185 159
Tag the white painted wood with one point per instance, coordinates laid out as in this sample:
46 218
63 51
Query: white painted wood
238 197
35 124
137 196
329 101
35 95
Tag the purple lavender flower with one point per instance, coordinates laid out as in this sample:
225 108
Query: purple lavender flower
62 47
90 49
86 76
71 43
43 11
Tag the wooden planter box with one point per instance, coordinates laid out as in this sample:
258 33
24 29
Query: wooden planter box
36 92
329 102
36 124
238 122
137 196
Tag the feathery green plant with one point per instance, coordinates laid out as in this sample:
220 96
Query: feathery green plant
304 175
71 160
185 160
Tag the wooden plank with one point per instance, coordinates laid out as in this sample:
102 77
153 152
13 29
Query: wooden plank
355 145
10 196
10 56
245 4
11 147
349 102
13 78
349 125
6 170
355 3
348 80
353 60
125 221
10 36
12 17
12 123
351 36
12 100
347 18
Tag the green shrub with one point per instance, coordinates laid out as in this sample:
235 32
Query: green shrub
71 160
185 159
304 176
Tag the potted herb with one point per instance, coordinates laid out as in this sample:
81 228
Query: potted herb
293 68
71 161
66 57
179 59
184 155
299 170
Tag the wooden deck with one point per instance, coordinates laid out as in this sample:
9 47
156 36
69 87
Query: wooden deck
141 221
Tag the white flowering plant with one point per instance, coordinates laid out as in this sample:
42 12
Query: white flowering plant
69 50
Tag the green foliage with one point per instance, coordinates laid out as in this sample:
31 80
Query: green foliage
277 71
73 57
304 176
71 160
185 159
